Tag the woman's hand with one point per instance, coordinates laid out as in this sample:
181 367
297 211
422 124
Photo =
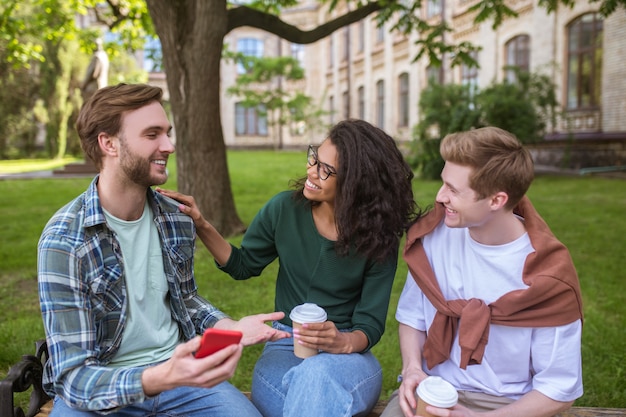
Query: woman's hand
212 239
188 204
326 337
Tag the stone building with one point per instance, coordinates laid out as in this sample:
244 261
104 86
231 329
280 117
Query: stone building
369 72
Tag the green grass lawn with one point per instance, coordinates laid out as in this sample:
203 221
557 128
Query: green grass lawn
586 213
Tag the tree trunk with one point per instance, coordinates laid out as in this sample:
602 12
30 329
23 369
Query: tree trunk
192 34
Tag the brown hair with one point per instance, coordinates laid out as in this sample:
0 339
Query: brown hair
104 110
499 161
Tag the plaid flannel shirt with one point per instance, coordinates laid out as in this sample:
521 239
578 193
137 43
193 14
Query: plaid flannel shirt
82 294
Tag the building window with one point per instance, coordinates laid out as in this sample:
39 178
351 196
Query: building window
584 62
361 36
361 94
469 75
380 104
379 30
331 110
297 127
250 120
433 8
249 47
403 100
346 105
297 52
346 43
434 74
517 55
331 51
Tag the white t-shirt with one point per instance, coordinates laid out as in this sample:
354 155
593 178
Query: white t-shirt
517 359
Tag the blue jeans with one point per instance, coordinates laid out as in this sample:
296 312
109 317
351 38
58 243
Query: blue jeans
222 400
327 384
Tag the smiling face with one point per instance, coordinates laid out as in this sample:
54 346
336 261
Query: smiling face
145 145
463 208
315 188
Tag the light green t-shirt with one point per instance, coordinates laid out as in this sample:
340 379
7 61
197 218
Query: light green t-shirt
150 334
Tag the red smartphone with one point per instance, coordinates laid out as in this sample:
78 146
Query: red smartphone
216 339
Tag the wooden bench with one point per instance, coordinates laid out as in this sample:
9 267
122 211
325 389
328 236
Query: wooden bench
27 374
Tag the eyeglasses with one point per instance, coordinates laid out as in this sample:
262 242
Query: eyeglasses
323 170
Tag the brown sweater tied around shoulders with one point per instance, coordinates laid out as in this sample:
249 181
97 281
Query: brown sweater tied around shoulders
552 298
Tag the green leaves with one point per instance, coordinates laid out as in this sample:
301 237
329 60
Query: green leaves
25 25
493 9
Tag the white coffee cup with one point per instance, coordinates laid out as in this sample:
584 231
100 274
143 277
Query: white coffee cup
437 392
301 314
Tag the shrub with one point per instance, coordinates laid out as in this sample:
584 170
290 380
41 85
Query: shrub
525 108
445 108
505 106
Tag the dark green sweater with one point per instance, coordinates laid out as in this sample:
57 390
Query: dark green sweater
354 291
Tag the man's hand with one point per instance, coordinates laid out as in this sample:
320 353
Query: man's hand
254 328
406 392
184 369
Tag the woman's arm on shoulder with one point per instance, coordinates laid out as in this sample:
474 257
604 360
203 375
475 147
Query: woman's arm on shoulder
219 248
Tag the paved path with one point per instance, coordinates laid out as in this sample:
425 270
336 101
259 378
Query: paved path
539 170
42 174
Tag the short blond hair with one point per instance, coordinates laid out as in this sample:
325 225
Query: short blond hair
498 160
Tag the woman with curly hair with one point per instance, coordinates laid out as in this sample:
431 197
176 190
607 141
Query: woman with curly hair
337 237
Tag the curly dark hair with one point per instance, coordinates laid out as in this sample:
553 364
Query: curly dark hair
374 204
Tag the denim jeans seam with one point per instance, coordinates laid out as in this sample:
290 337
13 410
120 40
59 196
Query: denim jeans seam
367 380
270 385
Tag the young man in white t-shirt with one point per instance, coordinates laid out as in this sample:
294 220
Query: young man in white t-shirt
492 301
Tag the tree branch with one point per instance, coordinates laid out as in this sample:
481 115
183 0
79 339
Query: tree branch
246 16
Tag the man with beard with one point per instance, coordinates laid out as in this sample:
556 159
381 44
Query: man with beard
116 283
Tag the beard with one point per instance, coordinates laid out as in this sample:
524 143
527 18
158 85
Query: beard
138 169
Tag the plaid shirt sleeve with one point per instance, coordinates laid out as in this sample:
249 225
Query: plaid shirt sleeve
76 369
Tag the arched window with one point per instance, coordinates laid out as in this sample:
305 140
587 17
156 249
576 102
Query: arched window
584 62
517 55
